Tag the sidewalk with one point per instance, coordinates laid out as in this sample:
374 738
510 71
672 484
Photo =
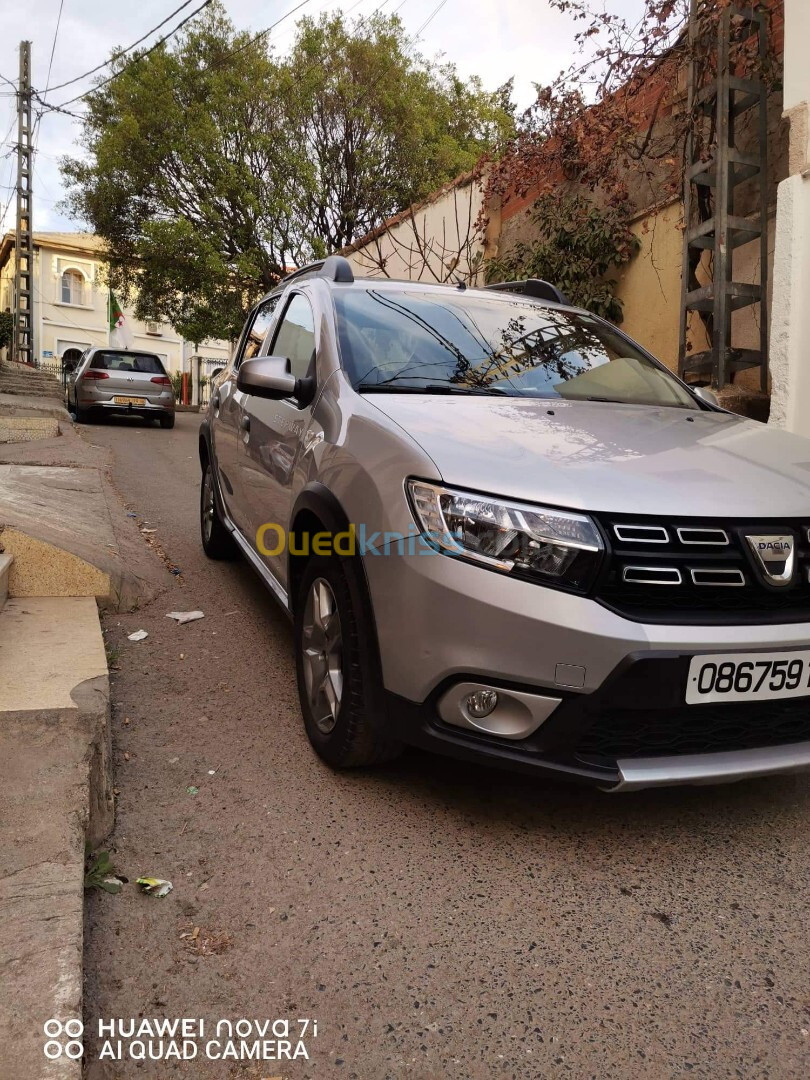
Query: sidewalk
59 515
66 546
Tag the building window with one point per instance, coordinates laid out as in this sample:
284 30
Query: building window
72 287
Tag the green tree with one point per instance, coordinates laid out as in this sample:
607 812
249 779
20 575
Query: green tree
210 166
184 177
379 126
6 328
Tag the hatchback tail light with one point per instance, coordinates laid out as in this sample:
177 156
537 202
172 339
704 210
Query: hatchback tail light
91 373
161 380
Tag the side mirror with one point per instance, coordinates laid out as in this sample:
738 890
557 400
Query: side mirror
705 394
266 377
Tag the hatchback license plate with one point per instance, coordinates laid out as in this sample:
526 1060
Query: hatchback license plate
129 401
748 677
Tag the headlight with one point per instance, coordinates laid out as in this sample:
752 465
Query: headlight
554 547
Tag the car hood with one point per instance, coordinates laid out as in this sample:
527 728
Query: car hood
600 456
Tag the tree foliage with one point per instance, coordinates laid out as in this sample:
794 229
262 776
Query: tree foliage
576 246
612 129
211 166
614 120
379 128
6 328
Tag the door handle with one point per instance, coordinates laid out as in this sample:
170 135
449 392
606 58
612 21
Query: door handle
244 423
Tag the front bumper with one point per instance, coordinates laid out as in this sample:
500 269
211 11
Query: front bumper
604 740
621 722
712 768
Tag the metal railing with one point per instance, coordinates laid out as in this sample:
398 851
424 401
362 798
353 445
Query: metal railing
55 367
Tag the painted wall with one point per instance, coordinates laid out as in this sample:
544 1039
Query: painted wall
790 322
437 241
797 36
650 285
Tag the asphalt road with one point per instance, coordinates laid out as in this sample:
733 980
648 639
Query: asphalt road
436 920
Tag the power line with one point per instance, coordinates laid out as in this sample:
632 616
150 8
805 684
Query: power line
11 128
123 52
12 190
429 19
35 133
231 52
261 34
134 60
53 46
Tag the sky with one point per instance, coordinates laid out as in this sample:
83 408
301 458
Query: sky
495 39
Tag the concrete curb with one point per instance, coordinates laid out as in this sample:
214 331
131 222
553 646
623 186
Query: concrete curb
57 522
56 794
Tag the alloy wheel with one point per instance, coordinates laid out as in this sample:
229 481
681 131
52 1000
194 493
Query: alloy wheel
322 647
208 505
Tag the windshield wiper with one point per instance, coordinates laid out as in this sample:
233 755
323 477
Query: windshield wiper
610 400
431 388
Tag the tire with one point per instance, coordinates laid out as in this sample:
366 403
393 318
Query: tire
338 682
167 421
217 542
82 415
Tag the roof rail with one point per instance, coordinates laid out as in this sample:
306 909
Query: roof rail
333 268
542 290
337 268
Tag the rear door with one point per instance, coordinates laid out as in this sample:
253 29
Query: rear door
227 411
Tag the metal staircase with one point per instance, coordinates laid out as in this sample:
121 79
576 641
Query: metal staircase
716 166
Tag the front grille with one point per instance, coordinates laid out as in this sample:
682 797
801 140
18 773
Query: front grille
695 729
695 570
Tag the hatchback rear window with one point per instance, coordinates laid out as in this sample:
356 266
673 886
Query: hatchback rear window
146 363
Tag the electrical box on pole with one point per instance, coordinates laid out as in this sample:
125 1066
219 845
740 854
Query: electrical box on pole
23 341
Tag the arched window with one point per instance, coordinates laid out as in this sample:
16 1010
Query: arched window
72 287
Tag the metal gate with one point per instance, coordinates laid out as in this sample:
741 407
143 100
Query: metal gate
205 369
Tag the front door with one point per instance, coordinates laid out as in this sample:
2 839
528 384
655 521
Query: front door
227 414
271 445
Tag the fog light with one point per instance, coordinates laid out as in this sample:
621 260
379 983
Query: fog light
481 703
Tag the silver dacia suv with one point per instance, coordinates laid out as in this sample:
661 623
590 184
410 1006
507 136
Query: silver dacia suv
507 533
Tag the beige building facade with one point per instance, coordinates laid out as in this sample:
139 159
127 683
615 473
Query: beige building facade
69 304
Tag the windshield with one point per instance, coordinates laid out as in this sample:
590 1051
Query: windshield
409 341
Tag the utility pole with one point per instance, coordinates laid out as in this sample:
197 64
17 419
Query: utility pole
23 342
719 95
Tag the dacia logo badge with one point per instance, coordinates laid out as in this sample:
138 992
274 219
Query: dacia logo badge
775 557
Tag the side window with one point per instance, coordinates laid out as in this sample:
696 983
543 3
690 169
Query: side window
261 319
295 337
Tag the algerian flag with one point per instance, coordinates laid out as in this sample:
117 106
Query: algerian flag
120 332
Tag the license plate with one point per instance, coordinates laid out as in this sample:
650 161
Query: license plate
129 401
748 677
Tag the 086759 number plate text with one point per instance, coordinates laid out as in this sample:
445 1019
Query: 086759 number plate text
748 677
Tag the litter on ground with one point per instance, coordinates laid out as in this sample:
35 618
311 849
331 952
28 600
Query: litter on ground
185 616
155 886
